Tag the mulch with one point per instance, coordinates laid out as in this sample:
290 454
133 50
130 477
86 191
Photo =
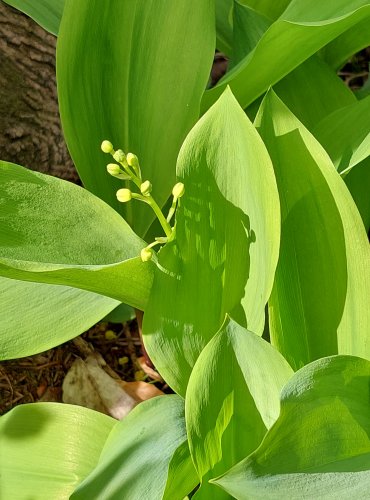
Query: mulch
40 377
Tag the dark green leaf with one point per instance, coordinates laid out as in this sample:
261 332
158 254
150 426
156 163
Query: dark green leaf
133 72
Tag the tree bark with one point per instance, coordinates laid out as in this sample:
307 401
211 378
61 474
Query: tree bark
30 129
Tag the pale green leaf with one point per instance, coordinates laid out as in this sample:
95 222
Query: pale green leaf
302 30
37 316
320 445
358 183
47 449
53 231
47 13
319 303
142 454
232 399
133 72
345 134
223 257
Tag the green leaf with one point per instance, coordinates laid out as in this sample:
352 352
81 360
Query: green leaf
358 183
47 13
55 232
313 91
337 52
319 304
249 27
302 30
120 314
271 9
345 134
232 399
120 77
46 449
224 25
37 316
142 454
224 254
320 445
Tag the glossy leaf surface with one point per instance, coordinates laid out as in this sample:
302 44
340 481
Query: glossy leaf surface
46 449
224 254
38 316
142 454
120 77
233 397
55 232
303 28
319 304
320 445
47 13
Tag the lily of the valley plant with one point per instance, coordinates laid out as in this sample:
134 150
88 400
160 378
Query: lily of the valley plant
221 200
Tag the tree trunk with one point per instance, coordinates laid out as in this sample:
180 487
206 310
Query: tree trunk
30 130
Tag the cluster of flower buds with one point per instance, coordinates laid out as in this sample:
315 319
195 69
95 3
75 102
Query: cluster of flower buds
128 168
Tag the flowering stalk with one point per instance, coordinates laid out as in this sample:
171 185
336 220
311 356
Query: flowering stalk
128 168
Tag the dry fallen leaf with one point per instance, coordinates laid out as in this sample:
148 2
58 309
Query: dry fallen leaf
88 384
149 371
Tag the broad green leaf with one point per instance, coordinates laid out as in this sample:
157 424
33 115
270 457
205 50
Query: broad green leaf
249 27
37 316
53 231
319 303
320 445
223 257
232 399
337 52
127 72
345 134
47 13
46 449
358 183
312 91
142 454
302 30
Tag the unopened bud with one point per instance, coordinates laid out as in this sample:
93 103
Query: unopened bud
146 254
119 155
124 195
132 160
178 190
146 188
106 147
113 169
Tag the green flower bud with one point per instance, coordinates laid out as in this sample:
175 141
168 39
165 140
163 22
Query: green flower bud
146 188
178 190
106 147
146 254
132 160
119 155
124 195
113 169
